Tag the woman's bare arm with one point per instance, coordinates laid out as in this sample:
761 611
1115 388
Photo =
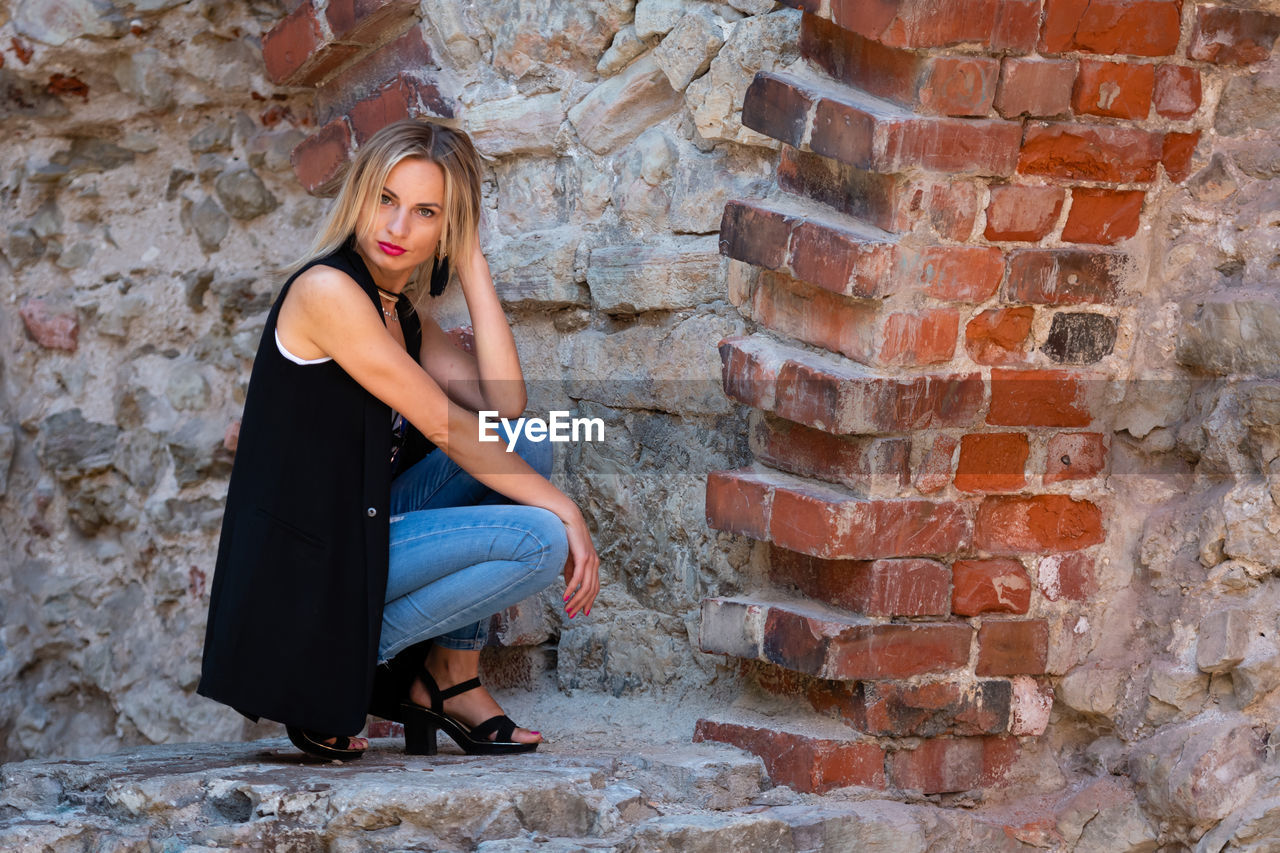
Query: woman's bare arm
491 379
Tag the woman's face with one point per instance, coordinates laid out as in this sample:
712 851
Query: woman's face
407 221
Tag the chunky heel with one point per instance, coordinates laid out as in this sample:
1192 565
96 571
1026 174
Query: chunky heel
419 738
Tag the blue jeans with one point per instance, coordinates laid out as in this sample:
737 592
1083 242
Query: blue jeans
461 552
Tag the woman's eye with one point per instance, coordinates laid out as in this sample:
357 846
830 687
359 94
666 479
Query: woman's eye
386 199
425 211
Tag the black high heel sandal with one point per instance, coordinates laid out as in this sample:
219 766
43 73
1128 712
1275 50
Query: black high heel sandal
313 743
421 725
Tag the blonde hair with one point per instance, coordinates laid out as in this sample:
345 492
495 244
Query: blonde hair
354 206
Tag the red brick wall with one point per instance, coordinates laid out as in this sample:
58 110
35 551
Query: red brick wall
945 267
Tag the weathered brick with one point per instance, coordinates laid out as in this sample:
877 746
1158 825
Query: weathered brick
862 463
402 97
288 45
363 78
997 585
1137 27
894 203
992 462
999 335
739 502
1035 87
1066 577
1176 154
841 398
813 394
824 643
777 106
1000 25
817 316
842 260
808 764
1233 36
865 133
1074 456
947 765
1038 398
749 369
1102 216
49 327
952 273
853 650
1178 91
1113 89
1063 277
1090 152
924 336
888 587
934 473
320 159
814 520
368 22
1080 337
755 234
942 85
1009 647
893 709
821 521
1025 213
1036 524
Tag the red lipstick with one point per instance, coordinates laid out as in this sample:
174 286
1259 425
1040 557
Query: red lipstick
390 248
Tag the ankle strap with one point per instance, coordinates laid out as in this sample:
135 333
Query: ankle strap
460 687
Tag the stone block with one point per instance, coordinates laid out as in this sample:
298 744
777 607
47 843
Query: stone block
687 50
626 46
1231 335
1094 690
934 472
56 22
1199 771
540 267
520 125
654 277
1259 672
657 17
622 107
1223 640
243 194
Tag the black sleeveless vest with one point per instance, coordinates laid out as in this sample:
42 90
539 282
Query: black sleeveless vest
295 607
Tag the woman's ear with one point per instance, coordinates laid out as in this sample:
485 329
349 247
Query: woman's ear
439 275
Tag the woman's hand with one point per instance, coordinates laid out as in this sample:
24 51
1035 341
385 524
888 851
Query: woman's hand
582 570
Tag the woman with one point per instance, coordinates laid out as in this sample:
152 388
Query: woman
325 566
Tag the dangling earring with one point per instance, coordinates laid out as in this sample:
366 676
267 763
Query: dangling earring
439 274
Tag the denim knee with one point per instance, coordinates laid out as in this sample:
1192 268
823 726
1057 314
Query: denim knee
549 530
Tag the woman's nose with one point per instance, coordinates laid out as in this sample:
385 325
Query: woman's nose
399 223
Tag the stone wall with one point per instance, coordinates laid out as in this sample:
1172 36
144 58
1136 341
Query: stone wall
155 173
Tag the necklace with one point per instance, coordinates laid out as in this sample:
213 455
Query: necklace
388 313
